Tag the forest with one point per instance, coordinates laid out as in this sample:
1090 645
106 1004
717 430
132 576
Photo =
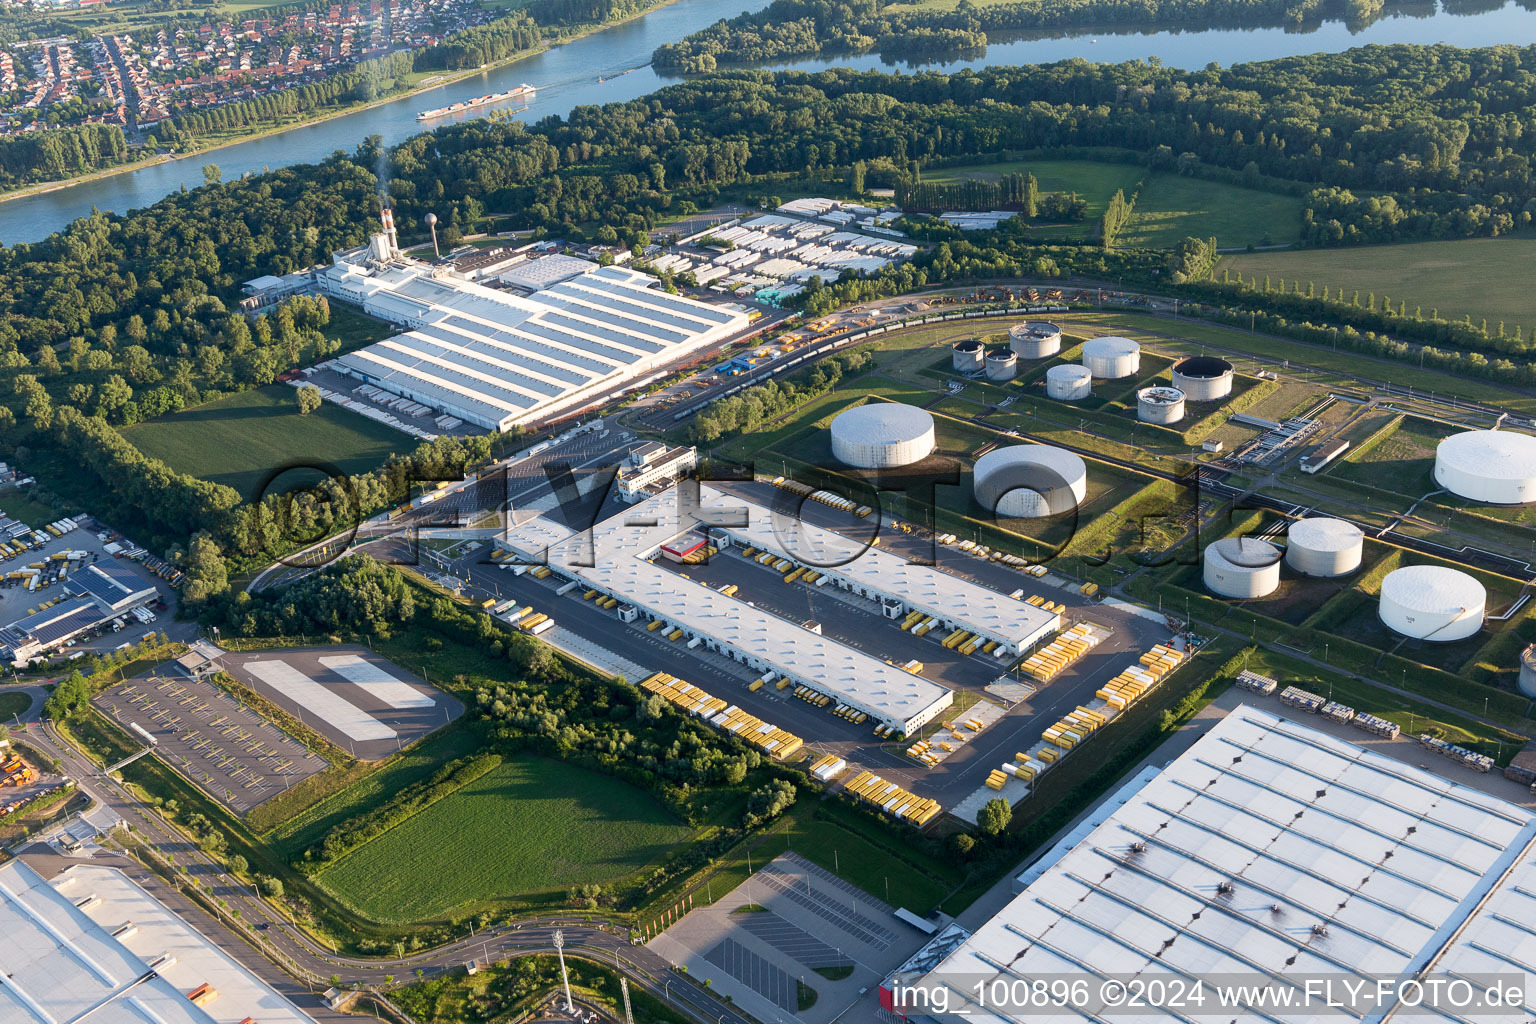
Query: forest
58 154
120 317
796 29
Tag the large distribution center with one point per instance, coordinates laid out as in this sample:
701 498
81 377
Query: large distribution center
618 557
882 435
92 947
1269 853
1493 466
497 359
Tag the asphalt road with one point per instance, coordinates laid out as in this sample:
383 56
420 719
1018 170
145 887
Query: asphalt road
293 962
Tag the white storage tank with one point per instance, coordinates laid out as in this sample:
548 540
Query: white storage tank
879 435
1160 405
1241 567
968 355
1324 547
1432 602
1203 378
1027 481
1034 340
1068 382
1496 467
1528 671
1109 358
1002 364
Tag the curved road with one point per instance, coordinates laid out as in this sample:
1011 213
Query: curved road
261 928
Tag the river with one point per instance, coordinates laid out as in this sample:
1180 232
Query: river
611 65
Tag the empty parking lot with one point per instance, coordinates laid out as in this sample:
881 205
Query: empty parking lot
363 703
235 755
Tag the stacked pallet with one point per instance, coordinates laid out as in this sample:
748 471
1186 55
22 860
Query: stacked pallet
892 799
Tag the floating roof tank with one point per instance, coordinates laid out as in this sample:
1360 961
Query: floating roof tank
1068 382
1035 340
1241 567
1002 364
1432 602
968 355
1027 481
1324 547
1495 467
1160 405
1108 358
1203 378
879 435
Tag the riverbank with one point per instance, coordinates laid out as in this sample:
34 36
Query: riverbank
435 81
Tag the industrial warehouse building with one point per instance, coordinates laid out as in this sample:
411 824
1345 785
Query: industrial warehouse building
499 359
103 591
622 558
1269 853
618 558
92 946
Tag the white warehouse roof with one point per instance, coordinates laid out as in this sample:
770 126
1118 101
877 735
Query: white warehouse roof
1269 852
497 359
63 963
148 929
623 548
920 587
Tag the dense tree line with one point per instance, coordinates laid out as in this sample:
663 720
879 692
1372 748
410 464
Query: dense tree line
1014 191
122 317
342 839
744 412
796 29
60 153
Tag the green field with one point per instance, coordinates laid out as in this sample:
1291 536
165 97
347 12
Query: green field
1090 179
1168 208
13 704
1480 277
24 507
242 439
530 826
1171 207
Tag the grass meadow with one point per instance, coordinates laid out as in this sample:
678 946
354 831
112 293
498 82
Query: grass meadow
530 826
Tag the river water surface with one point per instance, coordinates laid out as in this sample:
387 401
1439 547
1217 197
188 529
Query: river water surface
612 65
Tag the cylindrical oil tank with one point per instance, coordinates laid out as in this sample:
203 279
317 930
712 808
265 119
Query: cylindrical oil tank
1034 340
880 435
1108 358
1324 547
1068 382
1528 671
1432 602
1242 567
1160 405
1497 467
968 355
1002 364
1027 481
1203 378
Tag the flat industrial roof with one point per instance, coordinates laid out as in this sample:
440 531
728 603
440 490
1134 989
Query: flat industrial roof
623 547
60 621
60 964
503 357
194 960
1272 851
921 587
111 584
